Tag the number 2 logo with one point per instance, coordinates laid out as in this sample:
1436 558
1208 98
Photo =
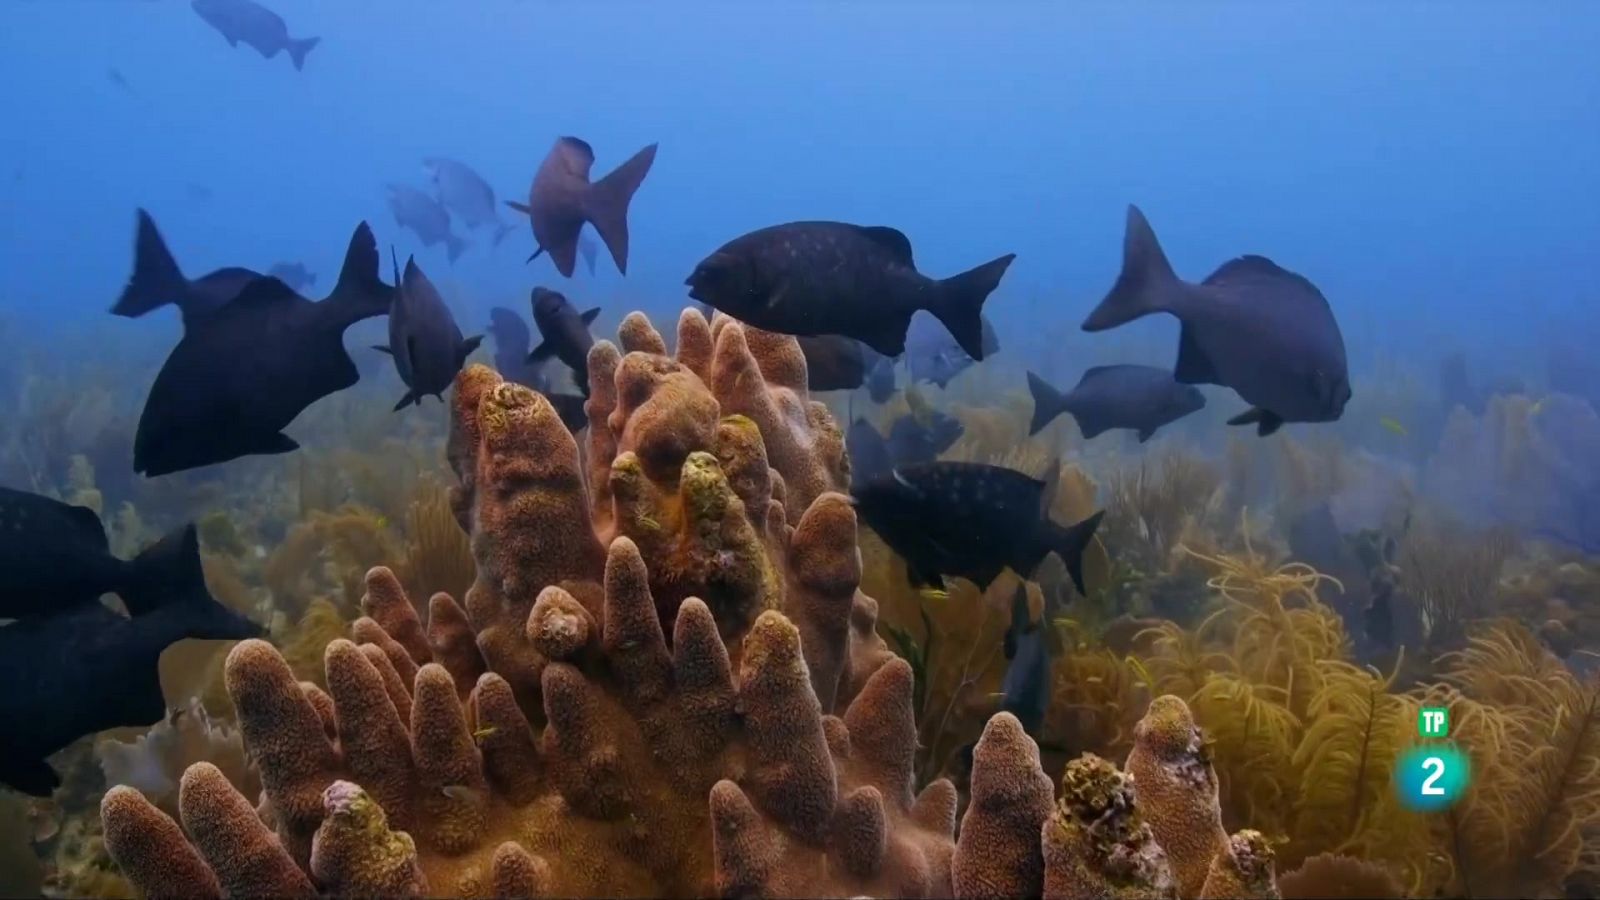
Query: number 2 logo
1435 765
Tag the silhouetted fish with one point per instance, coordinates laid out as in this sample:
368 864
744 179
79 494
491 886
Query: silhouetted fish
562 198
1252 326
565 334
570 408
261 28
426 217
466 194
912 440
869 454
880 379
424 340
1138 398
971 520
84 668
244 371
933 355
814 278
836 363
1030 655
511 342
157 280
54 556
294 275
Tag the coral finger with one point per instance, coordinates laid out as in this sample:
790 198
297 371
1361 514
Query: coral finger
559 627
449 773
519 874
704 677
461 445
861 832
323 704
399 692
355 854
249 859
366 630
1178 790
743 851
998 852
1243 869
883 732
454 643
388 605
603 362
578 747
935 808
510 758
637 335
826 570
694 342
791 774
372 737
151 850
634 644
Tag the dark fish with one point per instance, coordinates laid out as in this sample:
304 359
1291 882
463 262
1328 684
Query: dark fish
562 198
261 28
1138 398
1030 655
426 217
81 668
424 340
54 556
971 520
880 379
836 363
245 370
511 342
932 355
294 275
570 408
565 334
913 440
1377 620
588 251
157 280
466 194
115 76
812 278
869 454
1252 326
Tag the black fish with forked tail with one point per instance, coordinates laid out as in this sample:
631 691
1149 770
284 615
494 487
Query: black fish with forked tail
157 281
1252 326
971 520
424 339
564 332
833 278
71 665
1137 398
244 370
562 198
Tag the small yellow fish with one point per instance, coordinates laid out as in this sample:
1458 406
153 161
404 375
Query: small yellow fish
933 593
383 521
460 792
482 733
1393 425
649 523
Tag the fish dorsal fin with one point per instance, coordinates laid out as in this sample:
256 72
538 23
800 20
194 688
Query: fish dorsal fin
1194 366
263 292
578 146
891 239
589 317
467 348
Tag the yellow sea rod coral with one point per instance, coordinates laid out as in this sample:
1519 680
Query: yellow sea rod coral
1177 787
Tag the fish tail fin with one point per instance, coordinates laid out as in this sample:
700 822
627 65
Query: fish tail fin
501 229
453 246
607 203
960 303
156 279
299 49
168 575
1069 544
360 291
1266 421
1047 403
1146 283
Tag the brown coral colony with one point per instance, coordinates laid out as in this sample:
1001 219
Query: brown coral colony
663 681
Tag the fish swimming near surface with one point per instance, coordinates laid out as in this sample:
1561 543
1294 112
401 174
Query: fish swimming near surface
562 198
1030 655
78 667
243 371
468 196
971 520
426 217
1137 398
157 280
933 356
512 340
1252 326
836 363
564 332
817 278
295 275
424 340
261 28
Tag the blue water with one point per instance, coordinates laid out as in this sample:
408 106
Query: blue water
1431 167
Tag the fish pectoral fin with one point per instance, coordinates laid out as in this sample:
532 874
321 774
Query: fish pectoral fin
1266 421
407 400
468 347
542 352
533 256
1193 366
382 349
589 317
520 207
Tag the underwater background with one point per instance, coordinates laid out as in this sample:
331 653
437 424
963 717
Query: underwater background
1429 167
